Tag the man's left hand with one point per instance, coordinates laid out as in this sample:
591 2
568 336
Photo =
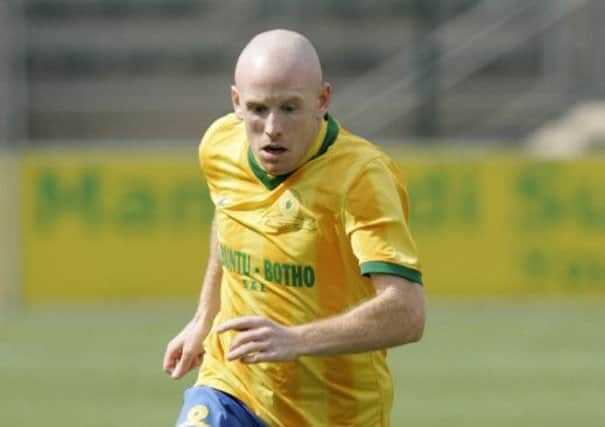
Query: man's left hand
261 340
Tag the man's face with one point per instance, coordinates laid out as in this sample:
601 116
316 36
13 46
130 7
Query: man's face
282 117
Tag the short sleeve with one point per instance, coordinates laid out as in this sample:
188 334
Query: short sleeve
376 222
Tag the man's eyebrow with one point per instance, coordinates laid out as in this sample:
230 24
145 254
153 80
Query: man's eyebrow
254 103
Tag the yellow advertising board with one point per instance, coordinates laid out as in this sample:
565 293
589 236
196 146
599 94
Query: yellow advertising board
122 226
113 226
507 226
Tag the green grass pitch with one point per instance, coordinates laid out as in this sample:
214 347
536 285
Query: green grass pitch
481 363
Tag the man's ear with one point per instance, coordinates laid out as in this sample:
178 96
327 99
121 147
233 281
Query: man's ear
237 108
325 98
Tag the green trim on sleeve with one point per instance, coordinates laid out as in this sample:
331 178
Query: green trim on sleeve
390 268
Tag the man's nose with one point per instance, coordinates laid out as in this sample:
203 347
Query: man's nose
273 126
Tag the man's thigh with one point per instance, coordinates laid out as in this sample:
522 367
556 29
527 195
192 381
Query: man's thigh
208 407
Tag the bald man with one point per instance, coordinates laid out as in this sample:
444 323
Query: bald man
312 272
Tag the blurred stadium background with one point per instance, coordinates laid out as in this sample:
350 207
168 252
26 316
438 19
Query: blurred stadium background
494 108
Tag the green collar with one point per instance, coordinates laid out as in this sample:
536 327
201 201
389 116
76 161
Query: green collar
272 182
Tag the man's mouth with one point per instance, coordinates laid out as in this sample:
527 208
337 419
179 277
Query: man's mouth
274 149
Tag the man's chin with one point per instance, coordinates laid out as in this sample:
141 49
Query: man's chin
275 168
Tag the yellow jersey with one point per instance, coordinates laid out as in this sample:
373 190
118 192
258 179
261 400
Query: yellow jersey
299 247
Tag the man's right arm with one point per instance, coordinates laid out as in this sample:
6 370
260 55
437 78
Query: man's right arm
184 352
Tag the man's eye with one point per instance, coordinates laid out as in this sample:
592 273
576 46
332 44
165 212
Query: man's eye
259 109
289 108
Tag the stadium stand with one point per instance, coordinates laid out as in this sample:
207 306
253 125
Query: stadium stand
156 69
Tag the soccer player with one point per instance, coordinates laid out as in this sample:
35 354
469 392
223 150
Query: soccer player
312 272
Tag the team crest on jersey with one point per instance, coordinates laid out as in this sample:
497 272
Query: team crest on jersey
287 214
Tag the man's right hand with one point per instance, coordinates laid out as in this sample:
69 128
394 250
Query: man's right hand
184 352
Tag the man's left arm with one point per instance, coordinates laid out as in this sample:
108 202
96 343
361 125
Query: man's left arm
394 316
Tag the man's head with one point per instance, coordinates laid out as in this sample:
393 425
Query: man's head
280 95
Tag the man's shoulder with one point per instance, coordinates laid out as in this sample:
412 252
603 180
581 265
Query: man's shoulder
353 157
354 149
222 139
224 127
227 129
